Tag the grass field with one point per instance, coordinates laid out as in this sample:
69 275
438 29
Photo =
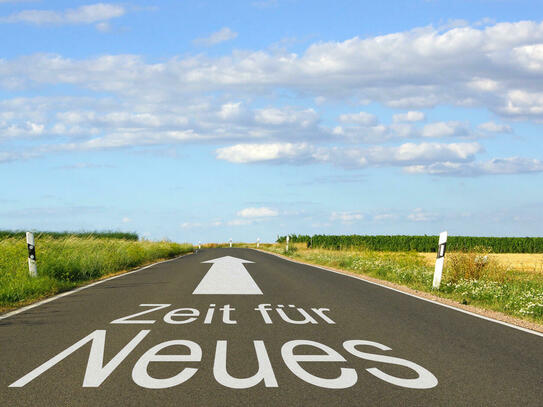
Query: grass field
468 278
65 262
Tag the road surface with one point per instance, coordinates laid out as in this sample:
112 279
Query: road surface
241 327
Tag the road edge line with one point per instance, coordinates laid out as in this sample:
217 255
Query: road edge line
75 290
473 314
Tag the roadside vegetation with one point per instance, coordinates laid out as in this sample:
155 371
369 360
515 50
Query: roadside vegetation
66 261
473 277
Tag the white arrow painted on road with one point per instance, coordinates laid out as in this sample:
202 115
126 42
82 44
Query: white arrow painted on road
227 275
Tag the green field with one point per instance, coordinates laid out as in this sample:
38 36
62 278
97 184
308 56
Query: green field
420 243
67 261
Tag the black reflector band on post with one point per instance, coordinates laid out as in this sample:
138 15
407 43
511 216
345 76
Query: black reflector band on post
31 252
441 250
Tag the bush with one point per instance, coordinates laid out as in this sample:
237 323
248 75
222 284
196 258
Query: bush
473 265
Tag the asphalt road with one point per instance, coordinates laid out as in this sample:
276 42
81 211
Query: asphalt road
361 344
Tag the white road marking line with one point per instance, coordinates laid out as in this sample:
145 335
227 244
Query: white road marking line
227 275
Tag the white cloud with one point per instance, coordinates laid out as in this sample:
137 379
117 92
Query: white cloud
224 34
288 115
445 129
262 212
495 128
25 129
411 116
346 217
82 15
126 220
190 225
497 67
464 66
134 102
240 222
103 27
230 110
420 215
385 216
362 118
523 104
248 153
405 154
496 166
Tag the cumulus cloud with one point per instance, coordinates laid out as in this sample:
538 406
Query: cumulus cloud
239 99
190 225
262 212
385 216
496 166
411 116
445 129
224 34
346 217
495 128
403 155
363 118
88 14
498 67
288 115
249 153
420 215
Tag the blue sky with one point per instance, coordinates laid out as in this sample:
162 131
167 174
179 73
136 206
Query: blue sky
209 120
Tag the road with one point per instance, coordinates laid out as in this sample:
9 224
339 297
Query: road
279 333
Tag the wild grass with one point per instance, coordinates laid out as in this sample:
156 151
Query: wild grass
473 277
65 262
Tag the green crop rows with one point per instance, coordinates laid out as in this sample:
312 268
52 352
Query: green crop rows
425 243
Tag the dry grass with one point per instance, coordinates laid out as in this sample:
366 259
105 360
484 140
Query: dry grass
529 262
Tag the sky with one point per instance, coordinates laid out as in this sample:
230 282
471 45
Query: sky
210 120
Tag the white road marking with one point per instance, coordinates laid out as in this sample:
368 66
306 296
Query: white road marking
228 275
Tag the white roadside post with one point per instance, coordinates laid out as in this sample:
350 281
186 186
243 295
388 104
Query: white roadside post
230 242
31 254
440 259
257 242
287 242
199 244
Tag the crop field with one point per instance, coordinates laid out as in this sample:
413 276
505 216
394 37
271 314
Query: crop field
64 262
420 243
469 277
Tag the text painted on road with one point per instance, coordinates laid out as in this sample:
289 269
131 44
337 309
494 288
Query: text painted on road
297 362
188 315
